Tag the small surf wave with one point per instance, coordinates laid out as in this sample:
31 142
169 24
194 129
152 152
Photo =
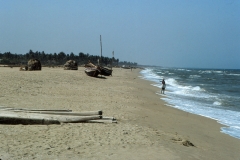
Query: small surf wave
234 74
194 76
197 88
216 103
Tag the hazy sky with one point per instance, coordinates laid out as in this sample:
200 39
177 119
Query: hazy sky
171 33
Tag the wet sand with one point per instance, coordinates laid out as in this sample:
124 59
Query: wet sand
146 128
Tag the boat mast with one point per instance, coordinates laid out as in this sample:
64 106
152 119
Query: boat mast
101 50
112 58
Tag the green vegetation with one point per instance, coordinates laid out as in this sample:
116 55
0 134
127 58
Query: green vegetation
8 58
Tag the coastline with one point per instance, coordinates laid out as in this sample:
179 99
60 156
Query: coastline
203 132
146 129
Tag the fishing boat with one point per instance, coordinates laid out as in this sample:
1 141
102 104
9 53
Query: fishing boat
104 70
92 71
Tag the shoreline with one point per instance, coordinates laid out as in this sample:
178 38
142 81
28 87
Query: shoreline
147 128
203 132
152 83
189 92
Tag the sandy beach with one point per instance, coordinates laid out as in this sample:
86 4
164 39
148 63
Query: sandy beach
147 128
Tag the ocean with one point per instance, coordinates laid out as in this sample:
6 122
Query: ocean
212 93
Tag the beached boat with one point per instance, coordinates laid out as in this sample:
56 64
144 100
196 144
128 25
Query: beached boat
92 71
105 71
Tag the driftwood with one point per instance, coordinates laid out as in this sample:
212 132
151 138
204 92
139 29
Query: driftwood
51 110
101 121
37 110
89 113
58 112
109 118
7 117
76 119
10 115
26 120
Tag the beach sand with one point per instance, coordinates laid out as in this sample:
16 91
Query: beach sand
147 128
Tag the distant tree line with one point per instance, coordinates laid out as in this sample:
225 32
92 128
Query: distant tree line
9 58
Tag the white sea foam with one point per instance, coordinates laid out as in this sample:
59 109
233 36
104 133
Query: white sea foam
149 75
234 74
197 88
194 76
217 103
231 131
218 71
222 116
172 81
205 72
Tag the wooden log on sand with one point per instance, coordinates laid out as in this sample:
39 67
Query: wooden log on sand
25 109
76 119
57 112
87 113
3 107
7 117
13 118
10 115
51 110
108 118
101 121
25 120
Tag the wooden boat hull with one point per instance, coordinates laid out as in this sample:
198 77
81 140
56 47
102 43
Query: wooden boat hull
105 71
93 72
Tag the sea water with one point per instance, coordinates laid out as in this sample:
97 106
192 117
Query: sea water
212 93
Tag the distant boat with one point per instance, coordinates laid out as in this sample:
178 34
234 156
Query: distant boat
92 71
126 67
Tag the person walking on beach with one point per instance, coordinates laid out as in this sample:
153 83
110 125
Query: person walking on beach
163 86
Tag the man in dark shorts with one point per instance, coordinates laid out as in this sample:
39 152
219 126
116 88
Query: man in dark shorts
163 86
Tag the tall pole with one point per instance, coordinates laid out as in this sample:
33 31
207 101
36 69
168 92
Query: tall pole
112 58
101 50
